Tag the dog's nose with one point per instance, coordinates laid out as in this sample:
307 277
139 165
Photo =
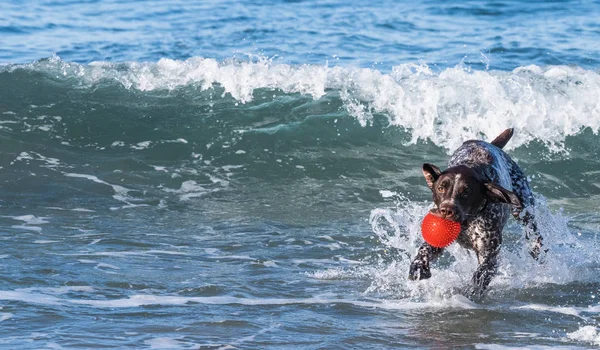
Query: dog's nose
447 211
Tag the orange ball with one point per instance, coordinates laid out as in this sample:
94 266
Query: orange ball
439 232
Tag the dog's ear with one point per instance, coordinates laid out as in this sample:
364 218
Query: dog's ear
499 194
431 173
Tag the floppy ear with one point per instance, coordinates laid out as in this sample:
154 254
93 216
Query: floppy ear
499 194
431 173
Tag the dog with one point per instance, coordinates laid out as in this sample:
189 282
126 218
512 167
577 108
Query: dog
478 190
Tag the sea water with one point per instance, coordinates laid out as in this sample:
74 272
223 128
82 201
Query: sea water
246 174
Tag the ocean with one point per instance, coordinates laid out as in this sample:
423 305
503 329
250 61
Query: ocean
247 174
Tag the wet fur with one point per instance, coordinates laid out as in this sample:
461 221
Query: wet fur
481 188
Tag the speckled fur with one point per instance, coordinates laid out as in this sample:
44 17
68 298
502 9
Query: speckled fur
483 232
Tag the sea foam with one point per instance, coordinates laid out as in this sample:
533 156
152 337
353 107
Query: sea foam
446 107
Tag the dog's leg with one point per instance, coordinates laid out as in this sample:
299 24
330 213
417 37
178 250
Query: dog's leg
526 218
419 268
532 233
487 255
525 214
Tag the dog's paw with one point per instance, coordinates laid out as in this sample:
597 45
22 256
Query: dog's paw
474 293
538 253
418 272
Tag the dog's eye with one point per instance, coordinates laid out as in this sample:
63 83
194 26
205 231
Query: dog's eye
441 189
465 192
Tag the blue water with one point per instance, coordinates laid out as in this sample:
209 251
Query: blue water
495 35
224 175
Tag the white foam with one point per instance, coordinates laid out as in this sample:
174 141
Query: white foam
31 219
48 297
228 168
179 140
145 300
32 298
107 266
572 311
28 228
507 347
330 274
191 189
387 194
218 181
141 145
87 261
399 228
587 334
211 251
268 263
121 193
23 156
83 210
446 107
50 163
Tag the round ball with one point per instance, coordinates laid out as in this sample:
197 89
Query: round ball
439 232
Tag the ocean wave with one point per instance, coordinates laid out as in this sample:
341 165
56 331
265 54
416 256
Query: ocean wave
445 107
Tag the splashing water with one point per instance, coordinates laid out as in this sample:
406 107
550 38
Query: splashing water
398 229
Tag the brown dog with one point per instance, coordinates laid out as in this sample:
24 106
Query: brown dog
480 186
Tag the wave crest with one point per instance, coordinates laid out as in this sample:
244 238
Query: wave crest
446 107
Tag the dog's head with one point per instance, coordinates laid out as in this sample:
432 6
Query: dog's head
460 192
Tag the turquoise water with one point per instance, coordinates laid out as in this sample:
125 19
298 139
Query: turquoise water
223 175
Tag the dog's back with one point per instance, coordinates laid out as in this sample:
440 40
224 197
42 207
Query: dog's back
494 164
487 159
